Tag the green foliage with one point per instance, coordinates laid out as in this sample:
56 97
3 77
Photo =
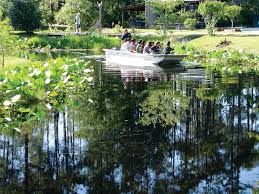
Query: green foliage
250 8
113 12
74 42
1 13
27 92
211 11
5 30
166 10
183 15
232 11
4 6
47 14
87 10
224 61
6 39
190 23
117 28
25 15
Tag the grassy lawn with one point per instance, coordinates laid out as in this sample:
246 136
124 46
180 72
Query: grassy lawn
248 43
12 61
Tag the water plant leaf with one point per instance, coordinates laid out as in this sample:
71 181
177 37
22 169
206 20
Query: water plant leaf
40 114
24 110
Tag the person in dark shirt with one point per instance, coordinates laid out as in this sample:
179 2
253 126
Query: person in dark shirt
126 35
168 48
156 48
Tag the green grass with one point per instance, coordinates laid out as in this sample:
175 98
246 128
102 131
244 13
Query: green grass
248 43
12 61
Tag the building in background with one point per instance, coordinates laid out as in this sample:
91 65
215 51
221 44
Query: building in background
149 14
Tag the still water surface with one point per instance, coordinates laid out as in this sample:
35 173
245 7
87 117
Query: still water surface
143 130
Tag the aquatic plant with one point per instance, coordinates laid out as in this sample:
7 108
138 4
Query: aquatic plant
28 92
224 61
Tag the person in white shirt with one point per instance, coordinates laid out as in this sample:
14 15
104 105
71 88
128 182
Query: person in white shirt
125 46
132 46
147 48
78 22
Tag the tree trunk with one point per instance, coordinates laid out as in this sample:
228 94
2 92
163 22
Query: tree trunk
2 56
50 6
232 25
164 25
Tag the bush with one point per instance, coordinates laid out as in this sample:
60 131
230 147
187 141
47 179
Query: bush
190 23
74 42
25 15
117 28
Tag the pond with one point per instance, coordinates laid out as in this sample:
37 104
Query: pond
142 130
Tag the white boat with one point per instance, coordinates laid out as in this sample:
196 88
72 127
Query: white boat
138 59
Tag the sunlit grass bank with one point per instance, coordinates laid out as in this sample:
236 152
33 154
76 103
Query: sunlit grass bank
13 61
247 43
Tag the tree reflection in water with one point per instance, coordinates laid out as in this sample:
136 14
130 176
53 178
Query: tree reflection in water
170 135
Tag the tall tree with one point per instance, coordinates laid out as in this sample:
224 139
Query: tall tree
250 8
25 15
5 5
232 11
113 10
6 39
211 11
166 9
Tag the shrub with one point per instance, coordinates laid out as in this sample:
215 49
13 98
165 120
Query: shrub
190 23
25 15
74 42
117 28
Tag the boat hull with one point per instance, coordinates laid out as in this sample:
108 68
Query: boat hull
128 58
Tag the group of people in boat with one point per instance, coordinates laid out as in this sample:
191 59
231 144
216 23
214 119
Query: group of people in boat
130 44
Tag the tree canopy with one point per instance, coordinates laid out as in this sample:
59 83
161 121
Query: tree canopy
211 11
87 10
166 11
25 15
232 11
